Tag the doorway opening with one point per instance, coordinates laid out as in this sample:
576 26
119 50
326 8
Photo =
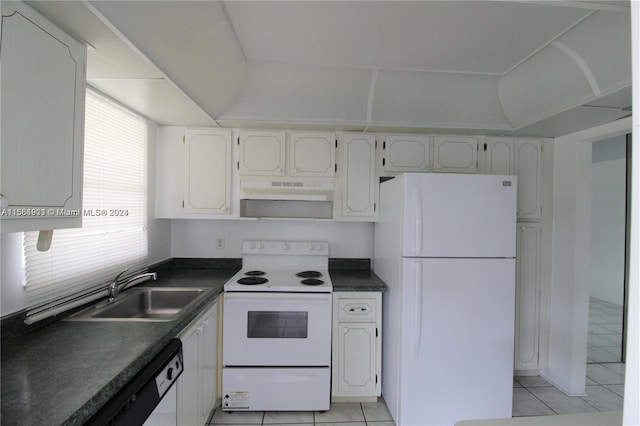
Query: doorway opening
608 281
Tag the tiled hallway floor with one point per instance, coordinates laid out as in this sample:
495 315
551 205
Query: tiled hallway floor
605 331
532 396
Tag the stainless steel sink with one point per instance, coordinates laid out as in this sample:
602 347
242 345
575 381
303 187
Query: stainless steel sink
144 304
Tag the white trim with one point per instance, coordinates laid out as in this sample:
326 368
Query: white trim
582 64
372 90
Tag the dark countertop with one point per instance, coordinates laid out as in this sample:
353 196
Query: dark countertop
356 280
64 372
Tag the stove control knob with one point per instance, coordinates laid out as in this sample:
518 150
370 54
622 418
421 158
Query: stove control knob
260 246
285 247
252 246
312 247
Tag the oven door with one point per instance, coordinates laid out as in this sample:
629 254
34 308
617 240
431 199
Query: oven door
276 329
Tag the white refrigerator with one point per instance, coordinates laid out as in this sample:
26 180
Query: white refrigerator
445 246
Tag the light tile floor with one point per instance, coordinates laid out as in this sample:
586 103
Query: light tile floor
605 331
340 414
532 395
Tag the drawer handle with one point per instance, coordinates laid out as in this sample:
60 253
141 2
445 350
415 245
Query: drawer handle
358 310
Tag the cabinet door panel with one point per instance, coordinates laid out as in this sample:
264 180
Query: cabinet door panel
527 296
358 186
262 153
456 154
207 171
500 156
197 386
528 166
209 361
312 154
42 107
188 401
406 153
358 364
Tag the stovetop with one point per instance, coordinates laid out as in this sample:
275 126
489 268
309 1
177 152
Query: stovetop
280 280
283 266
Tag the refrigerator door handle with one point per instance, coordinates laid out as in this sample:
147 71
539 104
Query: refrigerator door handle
417 202
417 315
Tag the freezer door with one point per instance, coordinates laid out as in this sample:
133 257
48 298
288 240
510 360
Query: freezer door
457 340
453 215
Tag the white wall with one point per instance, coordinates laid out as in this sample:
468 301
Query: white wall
159 231
571 254
12 294
631 410
197 238
608 211
569 296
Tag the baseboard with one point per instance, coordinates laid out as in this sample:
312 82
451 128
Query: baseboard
526 372
545 374
354 398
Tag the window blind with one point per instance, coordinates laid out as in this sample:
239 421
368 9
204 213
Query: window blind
81 262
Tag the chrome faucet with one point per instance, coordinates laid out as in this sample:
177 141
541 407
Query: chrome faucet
114 289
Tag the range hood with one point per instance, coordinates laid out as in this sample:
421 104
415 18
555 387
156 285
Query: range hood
286 199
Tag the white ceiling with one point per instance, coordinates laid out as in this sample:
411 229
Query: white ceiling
464 37
498 67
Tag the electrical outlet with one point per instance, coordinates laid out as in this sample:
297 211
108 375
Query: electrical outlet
220 243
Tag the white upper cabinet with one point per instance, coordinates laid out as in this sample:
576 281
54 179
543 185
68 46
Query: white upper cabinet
194 170
521 157
262 153
358 186
499 157
312 154
207 179
456 154
43 89
267 153
406 153
528 167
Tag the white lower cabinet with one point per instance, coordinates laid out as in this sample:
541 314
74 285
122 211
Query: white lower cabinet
196 387
356 363
527 296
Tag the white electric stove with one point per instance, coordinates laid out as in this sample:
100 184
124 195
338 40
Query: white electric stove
283 266
277 328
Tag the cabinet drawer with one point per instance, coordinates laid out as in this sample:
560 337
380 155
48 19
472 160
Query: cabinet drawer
361 309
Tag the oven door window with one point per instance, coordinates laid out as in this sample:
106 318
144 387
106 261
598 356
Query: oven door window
277 324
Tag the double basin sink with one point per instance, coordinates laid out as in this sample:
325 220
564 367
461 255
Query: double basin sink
144 304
